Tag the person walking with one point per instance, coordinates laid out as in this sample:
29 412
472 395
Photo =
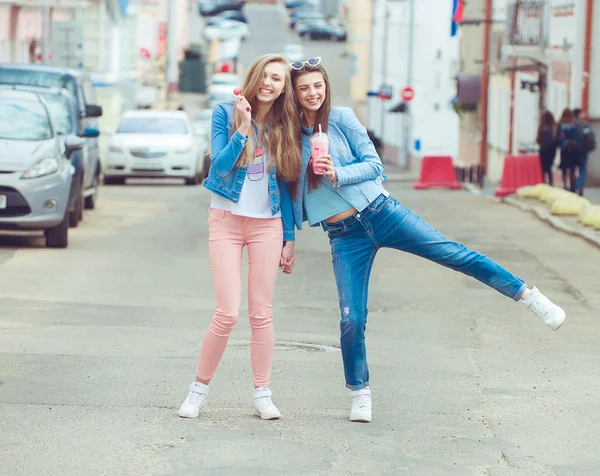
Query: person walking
570 149
587 139
343 191
255 165
546 139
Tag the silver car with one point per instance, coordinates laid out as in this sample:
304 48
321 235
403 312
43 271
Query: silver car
35 172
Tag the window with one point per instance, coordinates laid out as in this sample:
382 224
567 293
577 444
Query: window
60 112
22 119
152 124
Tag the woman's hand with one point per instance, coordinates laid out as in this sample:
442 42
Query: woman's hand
324 165
244 109
286 262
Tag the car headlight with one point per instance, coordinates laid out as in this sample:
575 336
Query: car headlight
42 168
184 150
114 148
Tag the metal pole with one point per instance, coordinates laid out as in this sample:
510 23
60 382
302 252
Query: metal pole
171 63
485 82
46 34
384 56
409 79
587 56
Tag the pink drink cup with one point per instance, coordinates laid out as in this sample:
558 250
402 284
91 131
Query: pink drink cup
319 146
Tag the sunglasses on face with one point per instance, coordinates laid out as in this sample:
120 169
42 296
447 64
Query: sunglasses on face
298 65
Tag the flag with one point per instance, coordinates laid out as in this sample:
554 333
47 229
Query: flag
457 16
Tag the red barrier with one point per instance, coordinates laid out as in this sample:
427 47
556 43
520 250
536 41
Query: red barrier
437 171
519 170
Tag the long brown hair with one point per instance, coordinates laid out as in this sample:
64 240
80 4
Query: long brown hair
547 122
567 116
313 179
281 139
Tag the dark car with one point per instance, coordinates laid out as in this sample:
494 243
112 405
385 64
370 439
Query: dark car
305 15
236 15
214 7
86 177
79 84
319 29
293 4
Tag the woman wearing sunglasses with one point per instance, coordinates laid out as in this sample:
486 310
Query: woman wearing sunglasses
347 197
256 157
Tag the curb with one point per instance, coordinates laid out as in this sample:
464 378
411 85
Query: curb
540 212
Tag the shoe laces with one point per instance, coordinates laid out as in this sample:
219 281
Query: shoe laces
361 401
195 397
264 402
541 306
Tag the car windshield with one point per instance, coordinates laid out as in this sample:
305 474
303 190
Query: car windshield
152 125
37 78
59 109
23 119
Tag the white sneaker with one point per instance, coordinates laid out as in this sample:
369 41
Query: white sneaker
552 315
195 400
263 405
361 405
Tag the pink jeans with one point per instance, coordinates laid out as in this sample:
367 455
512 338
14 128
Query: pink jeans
228 234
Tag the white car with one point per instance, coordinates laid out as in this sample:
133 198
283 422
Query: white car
227 30
152 143
294 52
223 79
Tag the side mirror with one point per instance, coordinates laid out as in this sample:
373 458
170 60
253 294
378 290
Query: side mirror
93 110
90 132
73 143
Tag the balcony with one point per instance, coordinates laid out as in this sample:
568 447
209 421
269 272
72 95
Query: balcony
528 29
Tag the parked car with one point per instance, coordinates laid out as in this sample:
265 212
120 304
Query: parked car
236 15
305 15
79 84
294 52
227 30
224 79
319 29
86 178
293 4
36 172
152 143
214 7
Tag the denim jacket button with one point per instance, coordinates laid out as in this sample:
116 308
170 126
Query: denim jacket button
273 176
358 215
275 193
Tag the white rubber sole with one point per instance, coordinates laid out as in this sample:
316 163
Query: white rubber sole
361 418
268 416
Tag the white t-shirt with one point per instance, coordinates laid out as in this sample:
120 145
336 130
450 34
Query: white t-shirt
255 200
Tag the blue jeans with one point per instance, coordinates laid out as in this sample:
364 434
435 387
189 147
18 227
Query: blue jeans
582 173
386 223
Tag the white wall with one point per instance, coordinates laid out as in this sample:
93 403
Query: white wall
435 124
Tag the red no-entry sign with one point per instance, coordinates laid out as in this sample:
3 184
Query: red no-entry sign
408 94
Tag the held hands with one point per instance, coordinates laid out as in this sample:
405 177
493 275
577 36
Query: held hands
324 166
244 109
286 262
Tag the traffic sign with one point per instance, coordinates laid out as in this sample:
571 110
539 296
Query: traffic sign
408 94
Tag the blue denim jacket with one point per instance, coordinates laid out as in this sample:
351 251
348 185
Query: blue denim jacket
226 180
358 167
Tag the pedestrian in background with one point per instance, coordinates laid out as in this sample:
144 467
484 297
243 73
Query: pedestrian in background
343 192
587 139
546 139
255 161
570 149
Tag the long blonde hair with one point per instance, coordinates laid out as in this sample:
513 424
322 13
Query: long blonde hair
281 139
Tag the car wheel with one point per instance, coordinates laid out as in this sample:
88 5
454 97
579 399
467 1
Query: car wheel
114 180
77 215
195 180
90 202
58 237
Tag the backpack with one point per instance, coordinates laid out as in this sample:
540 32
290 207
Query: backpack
569 142
546 139
588 138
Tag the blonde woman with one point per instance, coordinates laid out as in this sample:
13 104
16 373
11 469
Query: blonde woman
255 165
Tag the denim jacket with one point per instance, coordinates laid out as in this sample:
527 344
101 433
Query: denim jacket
358 167
226 180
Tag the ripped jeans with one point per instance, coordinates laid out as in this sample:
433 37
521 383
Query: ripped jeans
386 223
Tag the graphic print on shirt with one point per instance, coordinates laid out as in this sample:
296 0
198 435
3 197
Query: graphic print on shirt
256 170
